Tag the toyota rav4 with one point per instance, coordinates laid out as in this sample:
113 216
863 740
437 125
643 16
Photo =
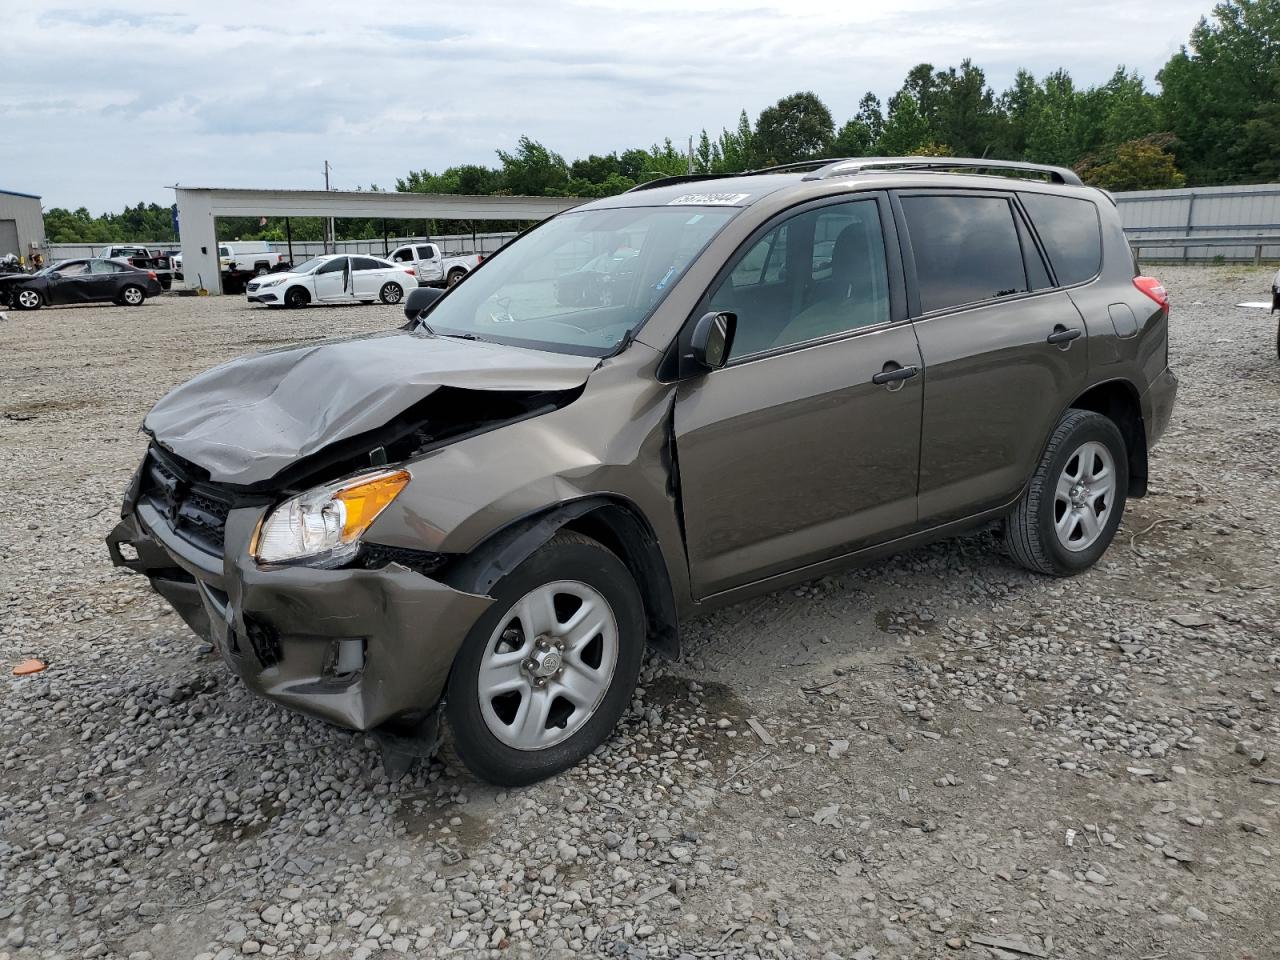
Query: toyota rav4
488 514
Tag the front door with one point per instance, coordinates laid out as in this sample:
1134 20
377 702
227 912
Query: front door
71 283
806 445
1005 351
430 263
333 279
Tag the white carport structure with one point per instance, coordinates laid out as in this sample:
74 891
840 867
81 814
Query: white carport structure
198 208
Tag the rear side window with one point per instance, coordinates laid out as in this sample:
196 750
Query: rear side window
365 263
426 253
966 249
1071 234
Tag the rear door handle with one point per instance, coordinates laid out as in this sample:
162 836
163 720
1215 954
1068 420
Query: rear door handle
894 374
1062 335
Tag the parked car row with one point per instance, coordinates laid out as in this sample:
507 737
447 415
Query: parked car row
80 281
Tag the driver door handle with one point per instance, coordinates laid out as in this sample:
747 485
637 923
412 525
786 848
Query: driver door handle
892 373
1062 335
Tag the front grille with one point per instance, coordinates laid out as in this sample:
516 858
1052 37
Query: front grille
196 511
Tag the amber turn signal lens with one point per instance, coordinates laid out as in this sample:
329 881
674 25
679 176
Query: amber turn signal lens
362 502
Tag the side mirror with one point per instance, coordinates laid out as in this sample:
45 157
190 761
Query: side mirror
420 299
712 340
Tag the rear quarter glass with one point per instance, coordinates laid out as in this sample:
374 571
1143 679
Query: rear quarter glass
1071 232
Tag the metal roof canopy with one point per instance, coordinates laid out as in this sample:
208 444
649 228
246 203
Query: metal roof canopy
198 208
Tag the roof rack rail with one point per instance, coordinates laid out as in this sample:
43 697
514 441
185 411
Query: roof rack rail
681 178
841 168
784 167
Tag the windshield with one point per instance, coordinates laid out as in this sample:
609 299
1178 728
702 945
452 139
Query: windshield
579 283
308 265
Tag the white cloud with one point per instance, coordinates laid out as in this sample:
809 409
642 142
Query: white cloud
103 106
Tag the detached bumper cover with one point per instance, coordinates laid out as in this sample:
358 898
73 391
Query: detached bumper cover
291 632
1157 404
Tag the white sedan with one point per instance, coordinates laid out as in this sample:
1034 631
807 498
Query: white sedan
334 278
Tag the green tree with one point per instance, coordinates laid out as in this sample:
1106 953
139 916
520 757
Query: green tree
1219 93
1142 164
736 147
905 129
533 170
798 127
858 137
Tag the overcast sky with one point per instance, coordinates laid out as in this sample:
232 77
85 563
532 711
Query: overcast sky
102 107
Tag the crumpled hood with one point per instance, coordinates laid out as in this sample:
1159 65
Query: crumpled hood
247 420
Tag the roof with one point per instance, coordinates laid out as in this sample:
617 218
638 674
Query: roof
15 193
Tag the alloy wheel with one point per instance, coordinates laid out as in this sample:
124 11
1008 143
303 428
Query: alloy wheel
28 299
1084 495
548 665
132 296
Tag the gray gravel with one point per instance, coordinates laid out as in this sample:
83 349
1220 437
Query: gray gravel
969 761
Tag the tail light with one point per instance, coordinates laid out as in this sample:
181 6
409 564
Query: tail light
152 275
409 271
1154 289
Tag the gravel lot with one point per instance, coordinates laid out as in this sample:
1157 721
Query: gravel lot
938 756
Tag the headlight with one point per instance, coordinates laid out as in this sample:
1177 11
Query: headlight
271 283
325 525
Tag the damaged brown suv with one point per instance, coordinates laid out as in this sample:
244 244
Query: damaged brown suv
490 513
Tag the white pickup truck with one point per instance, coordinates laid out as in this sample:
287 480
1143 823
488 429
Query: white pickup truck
434 268
144 258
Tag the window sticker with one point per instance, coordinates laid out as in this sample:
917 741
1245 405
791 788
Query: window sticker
708 200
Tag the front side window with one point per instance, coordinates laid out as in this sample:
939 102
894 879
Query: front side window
966 249
403 256
820 273
74 269
337 265
1071 234
580 282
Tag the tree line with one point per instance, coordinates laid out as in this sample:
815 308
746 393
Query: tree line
1215 119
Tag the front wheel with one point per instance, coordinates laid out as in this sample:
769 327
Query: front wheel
546 673
28 299
391 293
132 296
1069 513
296 297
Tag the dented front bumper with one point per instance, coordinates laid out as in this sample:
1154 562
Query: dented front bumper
356 647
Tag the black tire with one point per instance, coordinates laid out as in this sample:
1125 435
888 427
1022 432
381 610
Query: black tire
567 556
1029 530
34 299
296 297
391 293
261 270
454 277
132 296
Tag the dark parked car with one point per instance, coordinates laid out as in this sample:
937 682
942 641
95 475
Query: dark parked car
81 281
497 508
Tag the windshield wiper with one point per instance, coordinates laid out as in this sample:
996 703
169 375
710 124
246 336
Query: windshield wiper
463 336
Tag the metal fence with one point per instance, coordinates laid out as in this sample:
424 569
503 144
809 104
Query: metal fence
1159 222
302 249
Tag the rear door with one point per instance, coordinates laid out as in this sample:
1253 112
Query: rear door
1004 352
800 449
367 277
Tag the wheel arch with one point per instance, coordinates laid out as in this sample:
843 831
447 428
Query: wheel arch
291 288
615 522
1119 402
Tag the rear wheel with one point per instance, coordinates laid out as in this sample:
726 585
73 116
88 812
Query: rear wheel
1069 513
546 673
391 293
261 270
132 296
28 299
297 297
454 276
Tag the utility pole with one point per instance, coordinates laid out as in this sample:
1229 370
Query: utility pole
330 238
691 154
